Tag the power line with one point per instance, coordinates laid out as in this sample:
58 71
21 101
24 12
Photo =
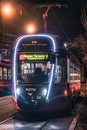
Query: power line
60 25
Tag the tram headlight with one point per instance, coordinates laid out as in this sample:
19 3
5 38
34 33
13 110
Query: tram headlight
44 92
18 91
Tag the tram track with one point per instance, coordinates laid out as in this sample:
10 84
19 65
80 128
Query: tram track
5 103
46 124
6 120
12 122
42 127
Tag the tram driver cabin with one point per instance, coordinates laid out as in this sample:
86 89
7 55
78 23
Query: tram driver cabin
45 74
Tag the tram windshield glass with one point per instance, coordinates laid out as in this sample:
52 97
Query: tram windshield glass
34 68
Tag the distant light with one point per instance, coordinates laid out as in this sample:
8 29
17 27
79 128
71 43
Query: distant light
30 28
7 11
65 93
65 45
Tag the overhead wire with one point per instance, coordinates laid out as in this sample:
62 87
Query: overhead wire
61 27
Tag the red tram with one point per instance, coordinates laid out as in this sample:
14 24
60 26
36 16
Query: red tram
5 75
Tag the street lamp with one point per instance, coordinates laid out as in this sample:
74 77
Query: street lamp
30 28
7 15
7 11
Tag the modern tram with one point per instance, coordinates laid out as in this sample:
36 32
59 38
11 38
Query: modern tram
5 75
46 75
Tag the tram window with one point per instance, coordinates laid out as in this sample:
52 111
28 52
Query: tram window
5 73
0 72
60 69
71 77
29 68
9 74
74 71
57 74
25 68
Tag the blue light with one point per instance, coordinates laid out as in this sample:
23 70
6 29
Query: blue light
50 84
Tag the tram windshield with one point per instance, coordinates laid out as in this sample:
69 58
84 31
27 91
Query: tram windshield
34 72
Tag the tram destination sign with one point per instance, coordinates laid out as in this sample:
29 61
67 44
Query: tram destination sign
33 57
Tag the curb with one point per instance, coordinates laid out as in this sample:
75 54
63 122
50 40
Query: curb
73 124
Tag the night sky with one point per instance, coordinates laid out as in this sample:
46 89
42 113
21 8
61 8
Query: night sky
65 21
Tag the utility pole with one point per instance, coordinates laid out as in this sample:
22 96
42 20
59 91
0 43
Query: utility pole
45 15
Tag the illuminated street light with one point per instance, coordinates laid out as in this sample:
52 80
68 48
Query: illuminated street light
7 11
30 28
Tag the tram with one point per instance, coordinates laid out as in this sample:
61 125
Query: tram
5 75
45 74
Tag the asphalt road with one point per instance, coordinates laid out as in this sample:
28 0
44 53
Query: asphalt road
12 120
